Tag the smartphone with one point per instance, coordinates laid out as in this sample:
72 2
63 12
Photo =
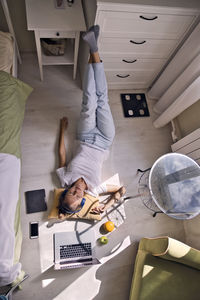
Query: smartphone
34 230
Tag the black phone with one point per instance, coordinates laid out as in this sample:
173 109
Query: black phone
34 230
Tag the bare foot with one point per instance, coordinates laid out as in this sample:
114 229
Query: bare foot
64 123
119 193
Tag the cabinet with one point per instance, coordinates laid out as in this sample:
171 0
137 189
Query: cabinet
49 22
137 41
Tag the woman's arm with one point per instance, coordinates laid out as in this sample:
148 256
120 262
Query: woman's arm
112 188
62 149
104 189
115 197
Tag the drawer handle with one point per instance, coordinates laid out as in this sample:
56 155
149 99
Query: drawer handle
137 43
129 61
57 33
149 19
121 76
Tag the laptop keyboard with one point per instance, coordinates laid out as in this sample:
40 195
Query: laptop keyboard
75 250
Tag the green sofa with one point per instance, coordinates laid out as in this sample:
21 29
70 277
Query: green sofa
166 269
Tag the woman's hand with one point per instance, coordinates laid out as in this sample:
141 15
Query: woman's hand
99 209
64 123
115 197
120 193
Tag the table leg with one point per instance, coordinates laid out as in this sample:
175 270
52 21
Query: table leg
39 53
76 46
143 171
157 212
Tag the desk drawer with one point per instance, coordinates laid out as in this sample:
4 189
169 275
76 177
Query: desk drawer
140 48
154 25
56 34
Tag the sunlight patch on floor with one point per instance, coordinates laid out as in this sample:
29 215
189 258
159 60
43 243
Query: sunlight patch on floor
78 289
46 242
46 282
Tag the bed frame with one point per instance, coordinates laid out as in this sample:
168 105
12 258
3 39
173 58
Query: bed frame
16 56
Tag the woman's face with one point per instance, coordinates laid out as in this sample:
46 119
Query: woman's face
75 194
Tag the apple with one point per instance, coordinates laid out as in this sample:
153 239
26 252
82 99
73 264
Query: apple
103 240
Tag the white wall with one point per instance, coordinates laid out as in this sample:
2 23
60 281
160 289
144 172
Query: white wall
182 59
24 37
183 69
189 120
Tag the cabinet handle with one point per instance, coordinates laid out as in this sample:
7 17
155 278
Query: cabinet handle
121 76
129 61
137 43
57 33
149 19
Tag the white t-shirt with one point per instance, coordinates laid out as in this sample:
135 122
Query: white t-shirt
86 163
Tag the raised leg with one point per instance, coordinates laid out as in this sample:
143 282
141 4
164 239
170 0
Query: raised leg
87 121
105 122
94 58
105 129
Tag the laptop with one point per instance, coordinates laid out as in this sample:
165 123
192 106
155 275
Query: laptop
74 250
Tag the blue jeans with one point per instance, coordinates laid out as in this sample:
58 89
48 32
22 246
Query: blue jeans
96 124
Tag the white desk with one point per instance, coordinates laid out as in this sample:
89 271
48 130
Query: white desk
49 22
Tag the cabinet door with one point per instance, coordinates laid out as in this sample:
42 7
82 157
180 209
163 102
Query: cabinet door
125 24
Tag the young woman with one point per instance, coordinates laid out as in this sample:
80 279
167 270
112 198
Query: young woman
95 132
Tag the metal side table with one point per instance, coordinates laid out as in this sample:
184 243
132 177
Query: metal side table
172 186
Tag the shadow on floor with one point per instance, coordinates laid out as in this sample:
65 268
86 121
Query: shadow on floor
117 282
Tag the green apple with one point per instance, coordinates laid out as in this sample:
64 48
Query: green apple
103 240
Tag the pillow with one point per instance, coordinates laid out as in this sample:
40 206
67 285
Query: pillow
13 96
84 213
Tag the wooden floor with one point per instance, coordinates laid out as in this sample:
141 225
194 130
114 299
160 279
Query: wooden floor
137 145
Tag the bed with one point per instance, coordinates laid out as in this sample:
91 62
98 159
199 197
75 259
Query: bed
13 96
